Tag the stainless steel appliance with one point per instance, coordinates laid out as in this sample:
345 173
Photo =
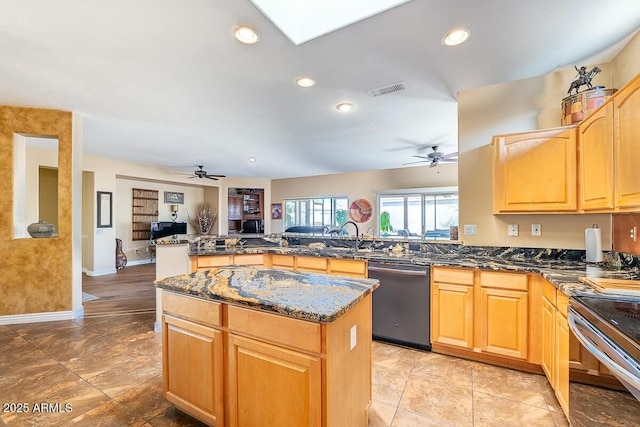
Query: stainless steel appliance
609 328
401 304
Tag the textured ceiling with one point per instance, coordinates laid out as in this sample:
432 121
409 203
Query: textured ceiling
164 83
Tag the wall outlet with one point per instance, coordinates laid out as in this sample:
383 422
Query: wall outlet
536 230
469 229
513 230
146 248
353 337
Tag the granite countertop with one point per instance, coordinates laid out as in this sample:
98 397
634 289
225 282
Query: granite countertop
308 296
562 273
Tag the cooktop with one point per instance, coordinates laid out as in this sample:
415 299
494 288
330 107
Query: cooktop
621 313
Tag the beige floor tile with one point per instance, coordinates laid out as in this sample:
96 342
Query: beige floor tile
33 383
491 411
381 414
74 401
409 419
146 400
437 400
449 369
110 413
93 364
123 377
506 383
560 419
46 328
396 358
387 385
602 407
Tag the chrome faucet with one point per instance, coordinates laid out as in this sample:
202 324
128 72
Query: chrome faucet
344 225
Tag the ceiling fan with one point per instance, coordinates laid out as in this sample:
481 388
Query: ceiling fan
435 157
201 173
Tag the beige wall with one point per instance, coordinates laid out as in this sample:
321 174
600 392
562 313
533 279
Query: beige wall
523 105
361 185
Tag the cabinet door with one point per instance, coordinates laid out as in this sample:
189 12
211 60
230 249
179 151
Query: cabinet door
596 161
627 145
562 362
548 340
193 369
535 171
504 322
269 383
452 314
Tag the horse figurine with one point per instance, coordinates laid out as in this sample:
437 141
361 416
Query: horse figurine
584 78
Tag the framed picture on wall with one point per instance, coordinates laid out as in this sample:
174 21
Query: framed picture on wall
276 211
105 209
173 197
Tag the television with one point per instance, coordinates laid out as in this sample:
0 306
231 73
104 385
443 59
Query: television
161 229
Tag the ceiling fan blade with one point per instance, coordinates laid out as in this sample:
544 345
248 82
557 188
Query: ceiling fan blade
413 163
450 156
421 157
217 176
211 177
193 176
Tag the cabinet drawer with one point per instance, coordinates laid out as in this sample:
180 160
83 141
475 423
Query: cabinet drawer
214 260
549 292
348 267
311 263
562 303
194 309
282 261
292 333
504 280
248 259
462 276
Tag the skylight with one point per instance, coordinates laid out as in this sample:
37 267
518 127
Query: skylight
304 20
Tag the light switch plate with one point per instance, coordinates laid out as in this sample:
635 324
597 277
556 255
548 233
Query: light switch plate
353 337
513 230
536 230
469 229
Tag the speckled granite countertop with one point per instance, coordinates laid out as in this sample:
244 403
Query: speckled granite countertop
563 273
307 296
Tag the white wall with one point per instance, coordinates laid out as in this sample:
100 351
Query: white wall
361 185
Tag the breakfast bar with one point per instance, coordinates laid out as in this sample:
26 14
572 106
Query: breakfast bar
244 344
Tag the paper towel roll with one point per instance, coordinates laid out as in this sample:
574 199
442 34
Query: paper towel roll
593 242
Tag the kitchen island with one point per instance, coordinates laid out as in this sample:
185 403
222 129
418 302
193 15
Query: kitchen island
249 346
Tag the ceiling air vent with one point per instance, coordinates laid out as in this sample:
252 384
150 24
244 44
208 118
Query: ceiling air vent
387 89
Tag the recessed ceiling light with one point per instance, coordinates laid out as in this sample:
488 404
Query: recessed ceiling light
305 81
245 34
344 107
456 37
252 159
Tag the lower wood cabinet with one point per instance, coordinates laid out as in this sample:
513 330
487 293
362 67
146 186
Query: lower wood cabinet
268 382
486 312
233 366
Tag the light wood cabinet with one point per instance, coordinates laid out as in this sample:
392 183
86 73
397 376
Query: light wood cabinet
334 266
535 171
193 355
595 142
555 342
233 366
626 116
484 315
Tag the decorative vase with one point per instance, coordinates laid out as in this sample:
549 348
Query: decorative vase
41 229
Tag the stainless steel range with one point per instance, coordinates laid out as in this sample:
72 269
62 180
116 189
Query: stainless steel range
609 327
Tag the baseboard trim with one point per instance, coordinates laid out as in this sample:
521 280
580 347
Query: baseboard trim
139 262
106 271
157 327
14 319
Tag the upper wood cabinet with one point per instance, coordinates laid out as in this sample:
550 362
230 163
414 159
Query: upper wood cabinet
535 171
626 136
595 143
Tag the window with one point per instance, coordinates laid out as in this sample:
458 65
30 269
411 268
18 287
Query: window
315 212
428 213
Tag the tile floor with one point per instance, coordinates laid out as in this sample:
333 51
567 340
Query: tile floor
109 370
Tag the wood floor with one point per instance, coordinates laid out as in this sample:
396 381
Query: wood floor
130 290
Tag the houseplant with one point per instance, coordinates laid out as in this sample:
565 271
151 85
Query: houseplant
203 219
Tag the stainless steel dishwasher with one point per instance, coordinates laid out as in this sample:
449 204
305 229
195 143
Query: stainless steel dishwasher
401 305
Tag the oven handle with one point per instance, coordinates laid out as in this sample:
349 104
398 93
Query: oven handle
398 271
575 321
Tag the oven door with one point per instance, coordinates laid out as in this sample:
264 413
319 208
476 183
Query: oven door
620 363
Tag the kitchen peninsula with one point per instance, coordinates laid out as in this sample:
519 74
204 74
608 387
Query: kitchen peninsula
242 344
